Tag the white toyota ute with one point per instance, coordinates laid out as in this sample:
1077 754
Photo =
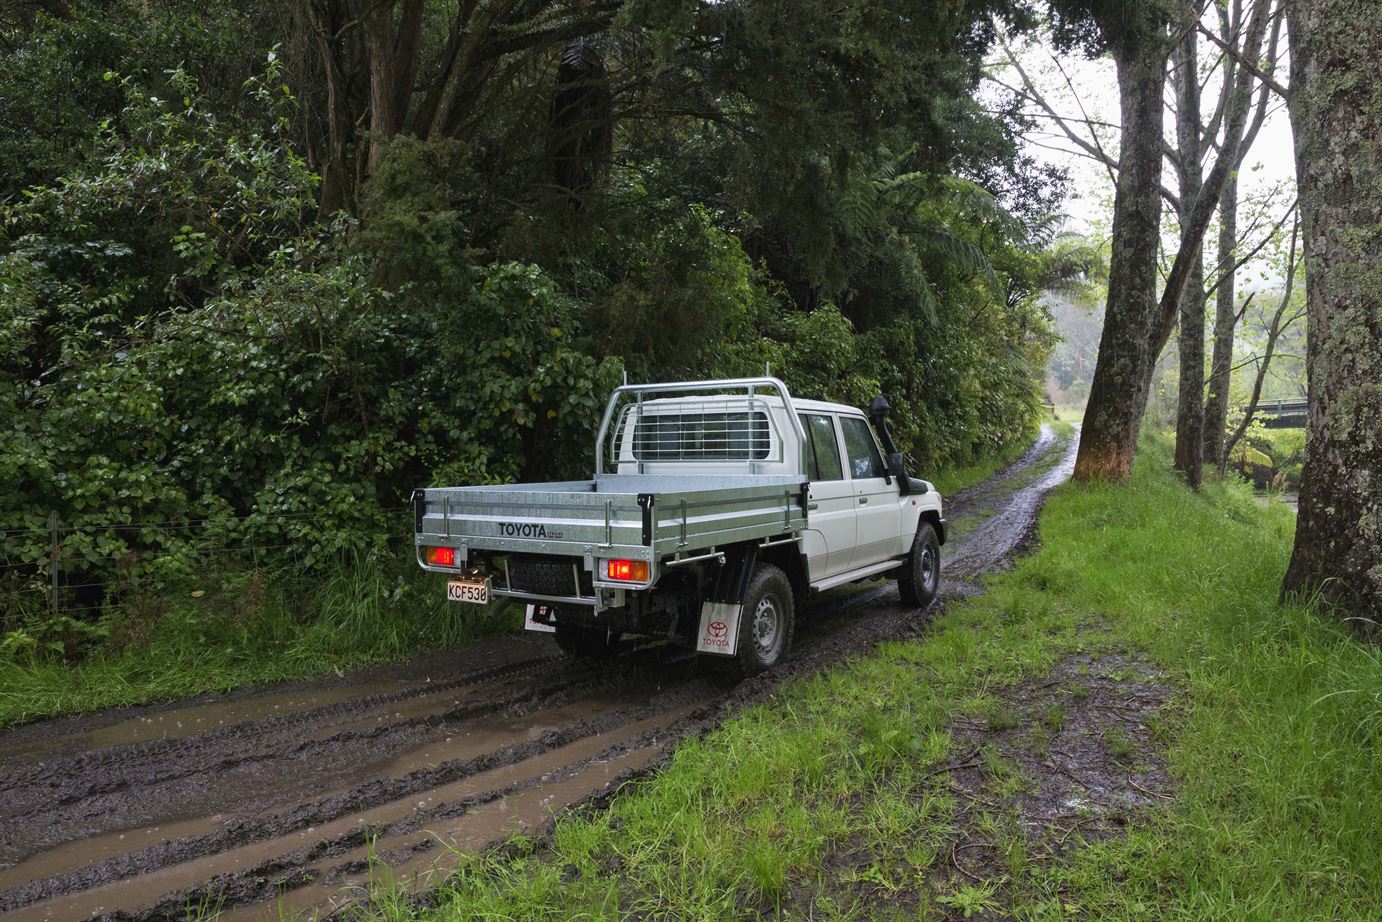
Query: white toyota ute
716 507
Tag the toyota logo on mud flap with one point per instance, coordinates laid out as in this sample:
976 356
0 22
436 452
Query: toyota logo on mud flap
717 629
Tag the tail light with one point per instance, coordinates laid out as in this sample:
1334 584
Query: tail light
628 571
441 556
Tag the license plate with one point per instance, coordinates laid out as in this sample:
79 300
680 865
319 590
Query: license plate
475 591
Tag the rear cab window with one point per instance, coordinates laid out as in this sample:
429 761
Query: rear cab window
822 448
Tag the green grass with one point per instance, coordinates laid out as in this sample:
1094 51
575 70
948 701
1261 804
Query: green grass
825 803
1070 412
247 629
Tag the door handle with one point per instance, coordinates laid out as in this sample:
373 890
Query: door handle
812 507
863 500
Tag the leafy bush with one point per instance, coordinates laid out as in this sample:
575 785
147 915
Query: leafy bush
194 363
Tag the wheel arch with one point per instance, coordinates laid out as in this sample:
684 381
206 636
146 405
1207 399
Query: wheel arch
934 517
790 559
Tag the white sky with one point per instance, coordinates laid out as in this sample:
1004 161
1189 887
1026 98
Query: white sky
1269 167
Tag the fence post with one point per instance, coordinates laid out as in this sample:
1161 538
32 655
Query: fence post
53 563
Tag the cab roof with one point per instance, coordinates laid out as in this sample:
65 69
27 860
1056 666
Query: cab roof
817 406
822 406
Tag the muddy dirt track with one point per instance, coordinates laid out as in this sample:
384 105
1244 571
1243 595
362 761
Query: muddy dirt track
269 802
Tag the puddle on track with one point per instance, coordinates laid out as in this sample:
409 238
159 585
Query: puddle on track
487 734
147 888
428 704
490 734
82 852
522 811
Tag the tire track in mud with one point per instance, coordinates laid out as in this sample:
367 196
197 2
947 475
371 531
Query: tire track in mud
272 798
996 539
163 759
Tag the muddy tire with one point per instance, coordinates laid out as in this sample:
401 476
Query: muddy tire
920 577
587 643
765 627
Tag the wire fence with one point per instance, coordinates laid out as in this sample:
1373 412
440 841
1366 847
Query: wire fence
85 571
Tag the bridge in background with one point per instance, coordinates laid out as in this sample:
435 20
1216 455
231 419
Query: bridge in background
1283 414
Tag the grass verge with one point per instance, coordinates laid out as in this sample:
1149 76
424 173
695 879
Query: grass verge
840 798
248 629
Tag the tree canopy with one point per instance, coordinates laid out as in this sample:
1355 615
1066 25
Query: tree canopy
263 258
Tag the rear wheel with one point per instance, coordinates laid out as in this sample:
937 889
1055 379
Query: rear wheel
587 642
765 626
920 577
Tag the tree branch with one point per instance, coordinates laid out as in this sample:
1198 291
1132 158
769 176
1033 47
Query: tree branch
1221 271
1275 331
1246 64
1192 230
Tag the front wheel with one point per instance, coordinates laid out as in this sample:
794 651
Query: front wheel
765 626
920 578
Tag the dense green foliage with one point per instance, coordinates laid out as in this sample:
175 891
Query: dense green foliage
195 331
833 800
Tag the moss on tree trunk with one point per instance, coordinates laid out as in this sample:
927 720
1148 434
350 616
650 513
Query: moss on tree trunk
1336 113
1127 351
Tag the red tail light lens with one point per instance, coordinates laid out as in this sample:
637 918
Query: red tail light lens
628 571
441 556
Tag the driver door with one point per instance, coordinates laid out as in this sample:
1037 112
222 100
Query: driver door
829 540
879 516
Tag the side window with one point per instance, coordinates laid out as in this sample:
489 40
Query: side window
864 460
822 449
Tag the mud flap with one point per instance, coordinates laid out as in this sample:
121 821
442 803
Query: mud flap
721 610
719 631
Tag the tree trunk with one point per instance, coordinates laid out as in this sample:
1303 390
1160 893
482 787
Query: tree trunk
1225 327
1123 372
393 62
1189 457
326 19
1336 68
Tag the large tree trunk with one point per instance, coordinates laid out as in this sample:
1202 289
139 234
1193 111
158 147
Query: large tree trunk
393 62
1336 69
1225 327
1123 371
326 19
1189 457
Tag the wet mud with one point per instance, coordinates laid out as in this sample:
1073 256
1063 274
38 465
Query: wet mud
290 799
